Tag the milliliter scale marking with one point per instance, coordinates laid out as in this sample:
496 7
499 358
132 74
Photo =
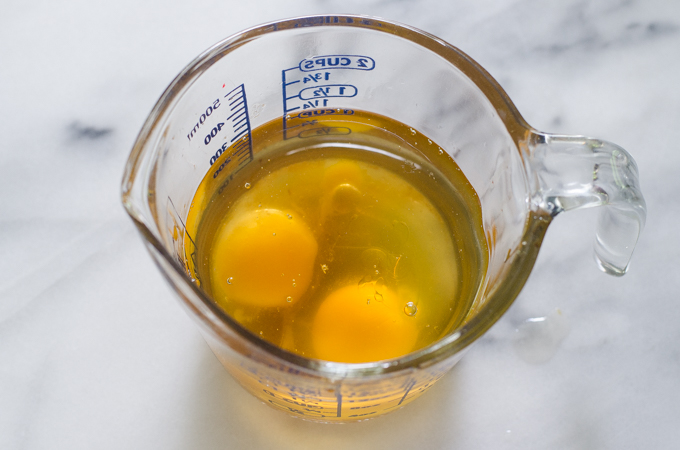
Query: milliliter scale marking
235 133
240 146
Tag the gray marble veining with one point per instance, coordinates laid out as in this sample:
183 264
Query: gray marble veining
95 352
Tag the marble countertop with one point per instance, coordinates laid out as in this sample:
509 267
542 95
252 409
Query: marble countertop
95 353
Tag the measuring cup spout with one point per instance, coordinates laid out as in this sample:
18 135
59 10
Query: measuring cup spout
572 172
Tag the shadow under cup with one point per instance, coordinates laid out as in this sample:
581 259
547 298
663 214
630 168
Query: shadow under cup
523 178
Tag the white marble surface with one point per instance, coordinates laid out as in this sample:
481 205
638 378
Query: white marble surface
96 353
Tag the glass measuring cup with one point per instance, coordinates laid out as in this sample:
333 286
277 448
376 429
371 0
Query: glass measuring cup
303 68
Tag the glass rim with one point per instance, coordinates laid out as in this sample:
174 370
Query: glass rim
498 300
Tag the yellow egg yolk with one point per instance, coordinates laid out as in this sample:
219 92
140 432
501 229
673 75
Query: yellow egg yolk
262 258
358 324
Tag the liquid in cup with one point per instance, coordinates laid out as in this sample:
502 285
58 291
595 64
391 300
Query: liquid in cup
370 96
350 247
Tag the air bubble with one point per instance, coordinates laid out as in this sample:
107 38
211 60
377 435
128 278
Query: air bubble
229 280
247 185
289 299
429 142
273 234
324 268
289 216
413 132
441 152
410 309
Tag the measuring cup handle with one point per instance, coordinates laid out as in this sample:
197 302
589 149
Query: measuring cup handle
572 172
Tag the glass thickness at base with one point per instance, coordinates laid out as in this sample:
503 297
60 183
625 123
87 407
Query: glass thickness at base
320 399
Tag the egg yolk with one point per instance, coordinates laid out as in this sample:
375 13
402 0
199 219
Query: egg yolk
262 258
358 324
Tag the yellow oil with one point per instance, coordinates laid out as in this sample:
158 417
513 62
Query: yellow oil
348 238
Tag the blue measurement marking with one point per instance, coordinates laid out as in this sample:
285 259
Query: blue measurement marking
285 104
408 389
240 125
237 93
329 62
239 112
242 151
317 84
238 135
241 144
178 218
329 90
338 396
